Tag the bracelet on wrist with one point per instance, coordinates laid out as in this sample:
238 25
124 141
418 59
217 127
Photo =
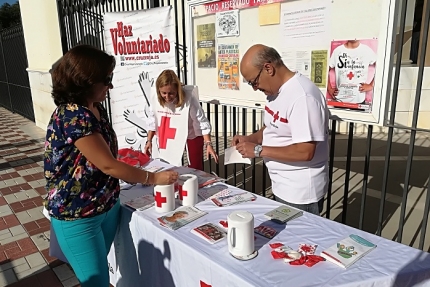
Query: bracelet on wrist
206 144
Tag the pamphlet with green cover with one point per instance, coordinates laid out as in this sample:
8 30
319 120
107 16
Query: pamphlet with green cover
347 251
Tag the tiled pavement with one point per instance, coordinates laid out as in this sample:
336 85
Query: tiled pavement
24 231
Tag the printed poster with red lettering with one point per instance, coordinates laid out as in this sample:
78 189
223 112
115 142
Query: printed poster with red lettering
228 5
351 74
143 43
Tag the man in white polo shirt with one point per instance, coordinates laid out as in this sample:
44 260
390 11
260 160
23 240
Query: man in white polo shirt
294 140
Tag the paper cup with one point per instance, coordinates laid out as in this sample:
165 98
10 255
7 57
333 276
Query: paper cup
164 196
188 189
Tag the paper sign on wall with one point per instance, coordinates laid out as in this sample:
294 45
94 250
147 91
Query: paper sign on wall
269 14
351 74
206 55
303 27
227 24
228 66
319 68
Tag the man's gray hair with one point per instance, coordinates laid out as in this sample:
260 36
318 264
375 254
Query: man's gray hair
267 55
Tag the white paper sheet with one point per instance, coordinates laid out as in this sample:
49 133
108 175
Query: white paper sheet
231 155
302 26
298 60
227 24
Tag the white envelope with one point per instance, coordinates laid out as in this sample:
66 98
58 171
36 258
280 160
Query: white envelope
231 155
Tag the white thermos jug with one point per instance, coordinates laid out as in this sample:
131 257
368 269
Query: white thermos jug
240 234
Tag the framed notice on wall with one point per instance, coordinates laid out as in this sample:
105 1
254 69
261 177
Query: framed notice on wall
347 55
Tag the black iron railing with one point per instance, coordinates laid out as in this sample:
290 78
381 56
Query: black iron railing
15 94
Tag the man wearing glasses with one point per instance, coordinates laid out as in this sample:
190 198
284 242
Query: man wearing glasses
294 140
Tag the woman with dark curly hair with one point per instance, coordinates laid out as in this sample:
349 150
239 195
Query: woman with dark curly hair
80 164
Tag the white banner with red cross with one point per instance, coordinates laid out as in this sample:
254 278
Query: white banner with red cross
143 44
171 130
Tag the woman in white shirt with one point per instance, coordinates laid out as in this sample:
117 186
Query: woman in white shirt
170 92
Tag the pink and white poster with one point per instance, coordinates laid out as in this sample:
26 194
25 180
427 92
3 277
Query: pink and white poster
351 74
142 52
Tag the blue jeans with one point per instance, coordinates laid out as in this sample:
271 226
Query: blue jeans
314 207
86 243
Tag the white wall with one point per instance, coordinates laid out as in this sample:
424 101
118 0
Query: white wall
43 45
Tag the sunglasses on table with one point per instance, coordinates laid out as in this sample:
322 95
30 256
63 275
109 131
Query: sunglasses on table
108 80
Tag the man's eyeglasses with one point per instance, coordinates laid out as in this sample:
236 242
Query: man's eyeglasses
255 82
108 80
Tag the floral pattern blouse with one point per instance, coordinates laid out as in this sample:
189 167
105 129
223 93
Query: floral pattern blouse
76 188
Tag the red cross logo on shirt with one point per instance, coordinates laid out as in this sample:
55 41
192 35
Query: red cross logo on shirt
160 199
350 76
275 115
165 132
182 192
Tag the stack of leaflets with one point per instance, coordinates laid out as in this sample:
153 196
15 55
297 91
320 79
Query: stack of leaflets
233 198
347 251
283 214
154 166
150 167
141 203
153 169
209 232
209 192
203 177
180 217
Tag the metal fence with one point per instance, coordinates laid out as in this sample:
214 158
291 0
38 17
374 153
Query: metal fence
15 94
372 173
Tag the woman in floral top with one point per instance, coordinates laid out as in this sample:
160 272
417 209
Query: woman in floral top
80 164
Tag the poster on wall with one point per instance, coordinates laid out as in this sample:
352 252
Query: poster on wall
142 52
227 23
269 14
305 37
228 66
206 54
319 68
298 61
351 74
212 7
303 27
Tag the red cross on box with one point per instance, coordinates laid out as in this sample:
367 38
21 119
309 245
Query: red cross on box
350 76
165 132
182 192
159 199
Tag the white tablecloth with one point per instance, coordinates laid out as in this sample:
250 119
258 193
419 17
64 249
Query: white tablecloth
147 254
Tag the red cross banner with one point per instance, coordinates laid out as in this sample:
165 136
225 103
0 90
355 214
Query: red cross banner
142 52
171 130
